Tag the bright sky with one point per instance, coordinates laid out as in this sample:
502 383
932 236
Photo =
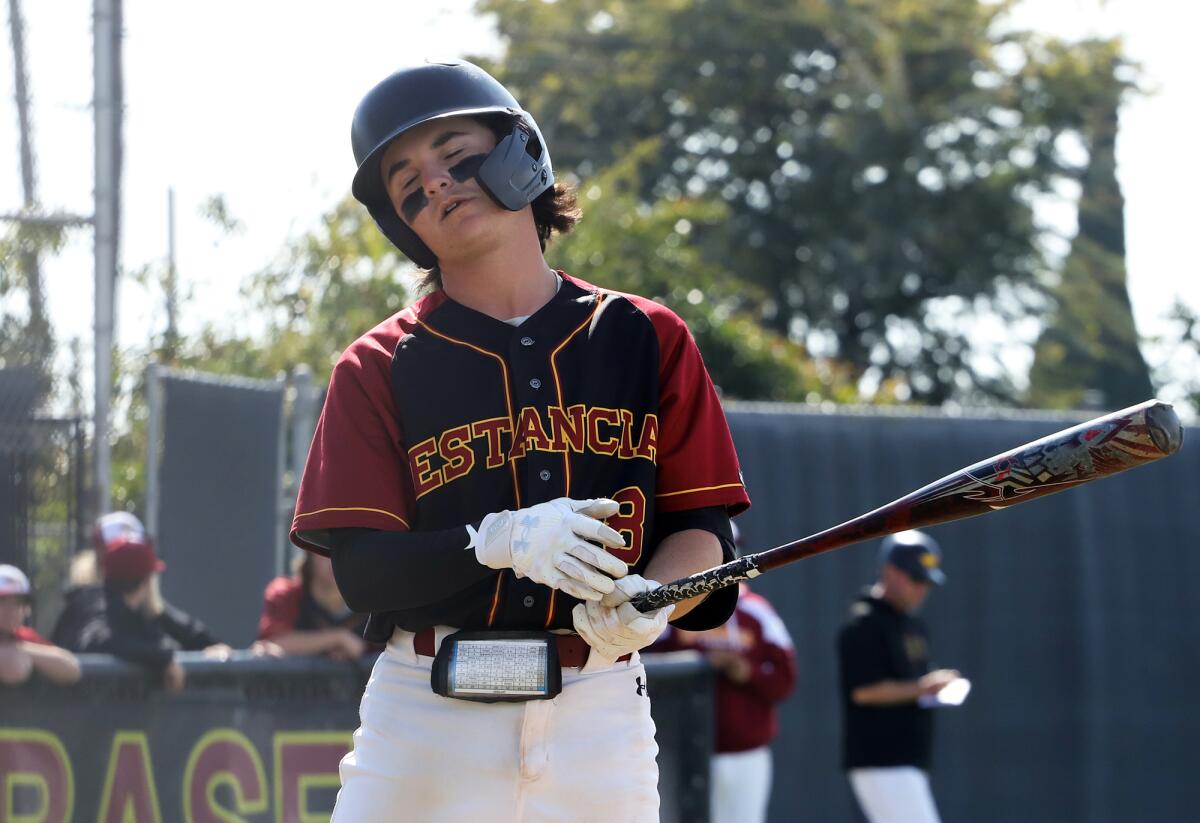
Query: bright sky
252 101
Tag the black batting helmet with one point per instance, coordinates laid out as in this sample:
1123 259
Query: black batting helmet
515 172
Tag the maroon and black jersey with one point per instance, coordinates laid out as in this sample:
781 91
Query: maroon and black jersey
442 414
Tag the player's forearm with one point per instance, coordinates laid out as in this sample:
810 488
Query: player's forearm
681 554
887 693
380 571
307 642
55 664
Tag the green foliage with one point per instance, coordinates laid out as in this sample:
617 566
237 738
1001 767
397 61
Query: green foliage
877 157
328 287
650 250
26 338
1089 354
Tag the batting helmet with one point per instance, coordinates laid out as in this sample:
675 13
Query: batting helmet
513 175
916 554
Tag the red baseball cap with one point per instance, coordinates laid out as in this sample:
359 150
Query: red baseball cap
130 557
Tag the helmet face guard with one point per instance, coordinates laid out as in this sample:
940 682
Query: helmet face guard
513 174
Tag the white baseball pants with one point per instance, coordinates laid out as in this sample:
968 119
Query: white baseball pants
897 794
741 786
587 755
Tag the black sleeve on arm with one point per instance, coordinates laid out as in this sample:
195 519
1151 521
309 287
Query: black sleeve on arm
719 605
382 571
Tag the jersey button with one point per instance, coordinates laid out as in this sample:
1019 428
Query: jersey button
528 601
544 474
537 384
526 341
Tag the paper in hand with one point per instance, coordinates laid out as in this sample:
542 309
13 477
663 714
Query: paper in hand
952 694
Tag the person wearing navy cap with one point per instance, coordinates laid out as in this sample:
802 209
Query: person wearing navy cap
886 683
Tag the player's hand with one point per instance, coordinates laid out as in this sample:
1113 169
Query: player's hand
347 646
548 543
218 651
613 627
266 648
731 664
935 681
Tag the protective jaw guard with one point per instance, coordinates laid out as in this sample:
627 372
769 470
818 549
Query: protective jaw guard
511 174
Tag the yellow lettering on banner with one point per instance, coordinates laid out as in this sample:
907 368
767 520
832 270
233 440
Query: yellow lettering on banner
304 762
35 759
129 792
223 757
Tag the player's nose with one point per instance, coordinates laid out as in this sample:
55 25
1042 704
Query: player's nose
435 177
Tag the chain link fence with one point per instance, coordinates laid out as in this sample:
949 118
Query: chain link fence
42 491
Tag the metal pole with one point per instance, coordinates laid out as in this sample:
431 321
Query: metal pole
172 339
107 105
303 421
154 429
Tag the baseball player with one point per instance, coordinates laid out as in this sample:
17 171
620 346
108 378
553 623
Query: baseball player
883 655
498 469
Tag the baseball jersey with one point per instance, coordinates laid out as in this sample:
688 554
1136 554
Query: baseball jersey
288 607
29 635
881 643
441 414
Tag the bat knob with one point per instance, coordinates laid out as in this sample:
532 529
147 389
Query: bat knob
1165 429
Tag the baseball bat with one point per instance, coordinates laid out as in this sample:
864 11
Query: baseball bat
1090 451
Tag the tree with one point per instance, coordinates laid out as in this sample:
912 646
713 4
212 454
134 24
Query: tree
878 159
26 338
1088 353
648 249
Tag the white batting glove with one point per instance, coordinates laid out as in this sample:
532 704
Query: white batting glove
548 544
613 627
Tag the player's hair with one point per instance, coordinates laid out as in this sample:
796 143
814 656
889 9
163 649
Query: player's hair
554 210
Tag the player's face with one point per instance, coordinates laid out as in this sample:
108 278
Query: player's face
429 174
12 613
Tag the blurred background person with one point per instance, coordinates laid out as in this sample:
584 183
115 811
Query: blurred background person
113 606
755 664
883 655
305 613
24 652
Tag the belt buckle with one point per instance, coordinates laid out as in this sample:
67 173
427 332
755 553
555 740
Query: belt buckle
497 666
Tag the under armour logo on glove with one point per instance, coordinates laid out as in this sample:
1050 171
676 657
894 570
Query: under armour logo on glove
641 687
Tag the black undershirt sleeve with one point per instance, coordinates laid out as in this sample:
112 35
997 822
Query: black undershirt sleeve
719 605
384 571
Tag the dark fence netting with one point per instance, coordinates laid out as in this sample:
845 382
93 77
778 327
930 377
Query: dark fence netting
217 490
1072 616
41 490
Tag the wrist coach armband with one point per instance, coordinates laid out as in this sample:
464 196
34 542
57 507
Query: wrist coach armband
497 666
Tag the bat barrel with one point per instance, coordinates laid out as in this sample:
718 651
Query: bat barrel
1086 452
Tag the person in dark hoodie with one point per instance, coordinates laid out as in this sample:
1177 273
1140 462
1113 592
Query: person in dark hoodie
124 615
